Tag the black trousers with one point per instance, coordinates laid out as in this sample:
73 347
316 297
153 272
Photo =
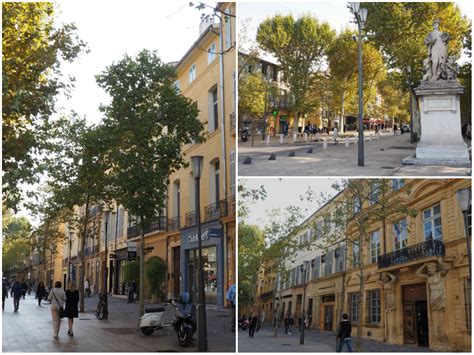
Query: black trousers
16 302
251 331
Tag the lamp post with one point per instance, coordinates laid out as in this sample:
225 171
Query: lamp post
360 16
104 282
409 82
464 201
304 270
197 162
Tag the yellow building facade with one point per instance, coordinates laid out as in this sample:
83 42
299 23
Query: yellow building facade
417 291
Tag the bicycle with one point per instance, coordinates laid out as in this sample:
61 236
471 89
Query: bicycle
101 311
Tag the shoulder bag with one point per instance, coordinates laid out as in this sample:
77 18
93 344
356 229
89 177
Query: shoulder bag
61 309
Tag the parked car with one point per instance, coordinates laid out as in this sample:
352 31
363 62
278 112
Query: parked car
405 128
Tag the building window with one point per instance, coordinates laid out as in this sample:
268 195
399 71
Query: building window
328 263
316 267
400 234
354 306
374 193
228 29
357 205
467 302
234 89
397 184
192 73
215 110
319 229
339 256
432 223
176 86
373 298
355 254
232 173
211 53
375 246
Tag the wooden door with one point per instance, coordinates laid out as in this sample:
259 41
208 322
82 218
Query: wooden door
409 325
176 271
328 317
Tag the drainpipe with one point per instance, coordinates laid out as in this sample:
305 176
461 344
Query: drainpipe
222 105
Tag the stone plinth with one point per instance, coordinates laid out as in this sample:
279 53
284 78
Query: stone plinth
441 141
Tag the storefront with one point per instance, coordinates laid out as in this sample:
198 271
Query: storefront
213 262
121 256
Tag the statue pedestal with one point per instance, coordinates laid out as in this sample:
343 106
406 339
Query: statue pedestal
441 141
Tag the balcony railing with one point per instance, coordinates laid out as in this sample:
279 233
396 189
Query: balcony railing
414 252
157 224
229 206
190 219
266 294
213 211
232 121
174 224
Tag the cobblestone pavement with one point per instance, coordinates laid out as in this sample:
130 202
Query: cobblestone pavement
383 157
315 341
30 330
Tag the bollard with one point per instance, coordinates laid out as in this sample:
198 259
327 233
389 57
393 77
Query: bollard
272 156
347 142
292 153
247 161
305 135
281 138
325 144
268 139
310 150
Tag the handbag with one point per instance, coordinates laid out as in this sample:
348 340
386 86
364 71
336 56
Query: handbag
61 309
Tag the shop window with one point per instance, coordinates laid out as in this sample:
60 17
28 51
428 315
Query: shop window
354 307
400 234
432 223
374 246
374 308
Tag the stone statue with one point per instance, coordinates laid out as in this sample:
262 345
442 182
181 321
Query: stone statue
437 54
388 280
434 274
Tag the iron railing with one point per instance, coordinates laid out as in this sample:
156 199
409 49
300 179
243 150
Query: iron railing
411 253
213 211
157 224
190 219
266 294
174 224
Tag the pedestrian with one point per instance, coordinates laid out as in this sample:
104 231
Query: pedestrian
16 293
40 292
287 324
132 288
57 298
335 133
344 334
231 298
123 288
252 325
291 322
24 289
71 311
4 294
87 288
394 129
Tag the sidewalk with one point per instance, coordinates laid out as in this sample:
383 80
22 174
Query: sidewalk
315 341
30 330
383 157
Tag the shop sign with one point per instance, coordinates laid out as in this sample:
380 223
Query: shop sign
132 246
193 238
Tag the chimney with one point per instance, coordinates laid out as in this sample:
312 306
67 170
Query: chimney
206 21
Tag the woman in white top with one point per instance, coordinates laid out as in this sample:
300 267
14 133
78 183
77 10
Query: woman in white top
57 298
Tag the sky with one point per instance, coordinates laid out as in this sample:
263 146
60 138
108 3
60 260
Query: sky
284 192
335 12
113 29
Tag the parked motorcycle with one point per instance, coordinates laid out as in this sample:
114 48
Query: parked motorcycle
243 323
184 323
151 320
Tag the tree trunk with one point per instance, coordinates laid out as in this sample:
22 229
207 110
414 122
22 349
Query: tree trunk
142 268
343 100
83 257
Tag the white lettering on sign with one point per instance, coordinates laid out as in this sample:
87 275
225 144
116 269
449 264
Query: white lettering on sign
193 238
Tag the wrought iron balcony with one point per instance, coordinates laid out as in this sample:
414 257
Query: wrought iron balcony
266 294
174 224
232 121
213 211
411 253
190 219
157 224
229 206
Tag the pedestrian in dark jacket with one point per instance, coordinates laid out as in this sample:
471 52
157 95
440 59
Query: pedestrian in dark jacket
252 325
40 292
344 334
71 311
4 294
24 289
17 292
132 288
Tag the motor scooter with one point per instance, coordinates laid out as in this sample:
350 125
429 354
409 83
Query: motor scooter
184 323
151 320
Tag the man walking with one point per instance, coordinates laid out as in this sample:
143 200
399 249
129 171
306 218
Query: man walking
231 298
17 292
344 334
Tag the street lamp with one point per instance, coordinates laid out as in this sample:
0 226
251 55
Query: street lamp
360 16
197 162
106 310
304 269
412 134
464 201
